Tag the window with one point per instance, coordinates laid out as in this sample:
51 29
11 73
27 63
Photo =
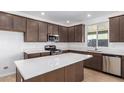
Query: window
98 35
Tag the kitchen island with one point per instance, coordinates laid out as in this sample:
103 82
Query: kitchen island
67 67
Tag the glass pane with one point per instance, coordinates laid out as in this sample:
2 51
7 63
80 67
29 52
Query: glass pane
103 34
92 40
103 39
92 35
103 42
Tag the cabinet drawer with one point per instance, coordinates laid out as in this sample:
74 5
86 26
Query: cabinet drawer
34 55
45 54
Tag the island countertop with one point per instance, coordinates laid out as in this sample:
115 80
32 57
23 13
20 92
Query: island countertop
30 68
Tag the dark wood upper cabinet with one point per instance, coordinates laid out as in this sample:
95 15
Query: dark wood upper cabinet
43 31
55 29
122 29
114 25
83 33
71 34
79 32
31 34
63 34
52 29
19 23
35 31
6 21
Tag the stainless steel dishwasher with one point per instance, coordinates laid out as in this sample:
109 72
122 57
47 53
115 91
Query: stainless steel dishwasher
112 64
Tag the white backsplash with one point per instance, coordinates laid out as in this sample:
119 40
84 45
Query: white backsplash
118 46
83 46
37 46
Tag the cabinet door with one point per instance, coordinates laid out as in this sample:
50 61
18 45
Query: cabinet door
50 29
122 66
79 71
34 55
79 31
45 54
82 37
70 73
122 29
71 34
74 72
54 76
31 34
114 25
55 29
95 62
42 31
5 21
19 23
63 34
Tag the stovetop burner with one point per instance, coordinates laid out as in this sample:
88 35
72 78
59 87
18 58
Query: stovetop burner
53 50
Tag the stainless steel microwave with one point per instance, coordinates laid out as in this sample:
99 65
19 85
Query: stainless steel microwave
53 38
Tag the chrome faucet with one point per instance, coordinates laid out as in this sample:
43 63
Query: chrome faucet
96 48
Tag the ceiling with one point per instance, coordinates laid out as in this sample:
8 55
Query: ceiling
73 16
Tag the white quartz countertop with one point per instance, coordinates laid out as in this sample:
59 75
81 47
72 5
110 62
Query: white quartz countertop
35 51
36 66
103 51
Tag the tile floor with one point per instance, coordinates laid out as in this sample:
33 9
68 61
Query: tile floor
89 76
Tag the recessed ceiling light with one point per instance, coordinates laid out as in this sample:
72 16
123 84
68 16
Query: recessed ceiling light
67 21
89 15
42 13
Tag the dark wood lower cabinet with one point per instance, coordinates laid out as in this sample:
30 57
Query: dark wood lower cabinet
35 55
71 73
122 66
79 72
45 54
18 76
74 73
54 76
96 62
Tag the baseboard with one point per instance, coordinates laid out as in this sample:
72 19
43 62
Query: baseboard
3 75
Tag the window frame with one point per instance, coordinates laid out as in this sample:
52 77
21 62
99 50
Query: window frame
97 34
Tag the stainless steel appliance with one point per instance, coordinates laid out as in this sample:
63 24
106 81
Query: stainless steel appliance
53 50
53 38
112 64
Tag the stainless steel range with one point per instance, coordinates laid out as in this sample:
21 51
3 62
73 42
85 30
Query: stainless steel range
53 50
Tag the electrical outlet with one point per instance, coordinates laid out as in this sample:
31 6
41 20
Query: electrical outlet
6 67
